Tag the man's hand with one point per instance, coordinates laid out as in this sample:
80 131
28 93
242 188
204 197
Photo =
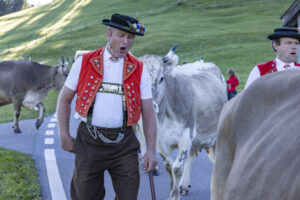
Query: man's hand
149 127
63 118
67 142
150 161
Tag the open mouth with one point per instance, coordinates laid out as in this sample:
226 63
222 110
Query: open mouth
123 49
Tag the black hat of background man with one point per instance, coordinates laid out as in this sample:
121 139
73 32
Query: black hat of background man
284 32
121 22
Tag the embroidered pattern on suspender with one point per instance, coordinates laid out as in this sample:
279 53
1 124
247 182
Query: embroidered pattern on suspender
113 88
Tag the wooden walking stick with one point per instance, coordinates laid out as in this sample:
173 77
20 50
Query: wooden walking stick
152 185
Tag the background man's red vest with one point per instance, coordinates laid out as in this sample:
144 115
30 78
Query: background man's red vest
91 77
269 67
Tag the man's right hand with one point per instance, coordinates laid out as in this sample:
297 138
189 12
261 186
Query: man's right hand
67 142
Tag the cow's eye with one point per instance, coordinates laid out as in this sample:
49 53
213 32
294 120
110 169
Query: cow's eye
161 79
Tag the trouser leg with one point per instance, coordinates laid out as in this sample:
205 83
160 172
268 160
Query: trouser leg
88 180
93 156
126 177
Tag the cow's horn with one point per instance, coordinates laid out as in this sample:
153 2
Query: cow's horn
170 54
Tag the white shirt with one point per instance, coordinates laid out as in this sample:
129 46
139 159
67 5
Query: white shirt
255 73
108 111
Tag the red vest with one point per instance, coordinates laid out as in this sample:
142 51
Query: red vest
90 79
270 67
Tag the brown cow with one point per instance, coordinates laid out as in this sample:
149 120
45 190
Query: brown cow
258 142
26 83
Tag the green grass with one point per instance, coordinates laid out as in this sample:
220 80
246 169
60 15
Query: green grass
18 177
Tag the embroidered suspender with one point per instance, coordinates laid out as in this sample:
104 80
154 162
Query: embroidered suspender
112 88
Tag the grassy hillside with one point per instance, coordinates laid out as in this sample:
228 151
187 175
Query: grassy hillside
228 33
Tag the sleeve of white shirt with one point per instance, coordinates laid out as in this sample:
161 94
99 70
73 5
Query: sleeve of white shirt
72 80
254 74
145 85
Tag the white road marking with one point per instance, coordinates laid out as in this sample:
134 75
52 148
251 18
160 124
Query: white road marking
53 120
49 132
49 140
55 184
51 125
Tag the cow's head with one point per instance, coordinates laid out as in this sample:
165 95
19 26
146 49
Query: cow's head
60 74
158 68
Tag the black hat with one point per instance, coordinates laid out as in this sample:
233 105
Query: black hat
284 32
125 23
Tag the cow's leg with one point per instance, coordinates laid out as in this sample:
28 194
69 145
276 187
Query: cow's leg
168 163
184 148
40 120
17 110
165 153
184 184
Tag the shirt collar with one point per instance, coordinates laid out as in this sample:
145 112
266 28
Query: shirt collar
280 64
107 56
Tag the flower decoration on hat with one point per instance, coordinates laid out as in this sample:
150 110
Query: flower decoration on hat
137 27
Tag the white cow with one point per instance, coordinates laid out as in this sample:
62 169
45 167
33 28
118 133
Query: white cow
189 99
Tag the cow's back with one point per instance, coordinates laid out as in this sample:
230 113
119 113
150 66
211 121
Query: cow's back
21 75
258 142
198 95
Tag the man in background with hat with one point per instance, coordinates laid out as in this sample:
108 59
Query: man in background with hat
113 89
285 43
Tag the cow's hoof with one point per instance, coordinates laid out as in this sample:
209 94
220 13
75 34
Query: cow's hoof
17 130
155 172
38 124
184 191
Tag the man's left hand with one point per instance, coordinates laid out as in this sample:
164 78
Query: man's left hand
150 161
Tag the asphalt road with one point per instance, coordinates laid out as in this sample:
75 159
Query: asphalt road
55 166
